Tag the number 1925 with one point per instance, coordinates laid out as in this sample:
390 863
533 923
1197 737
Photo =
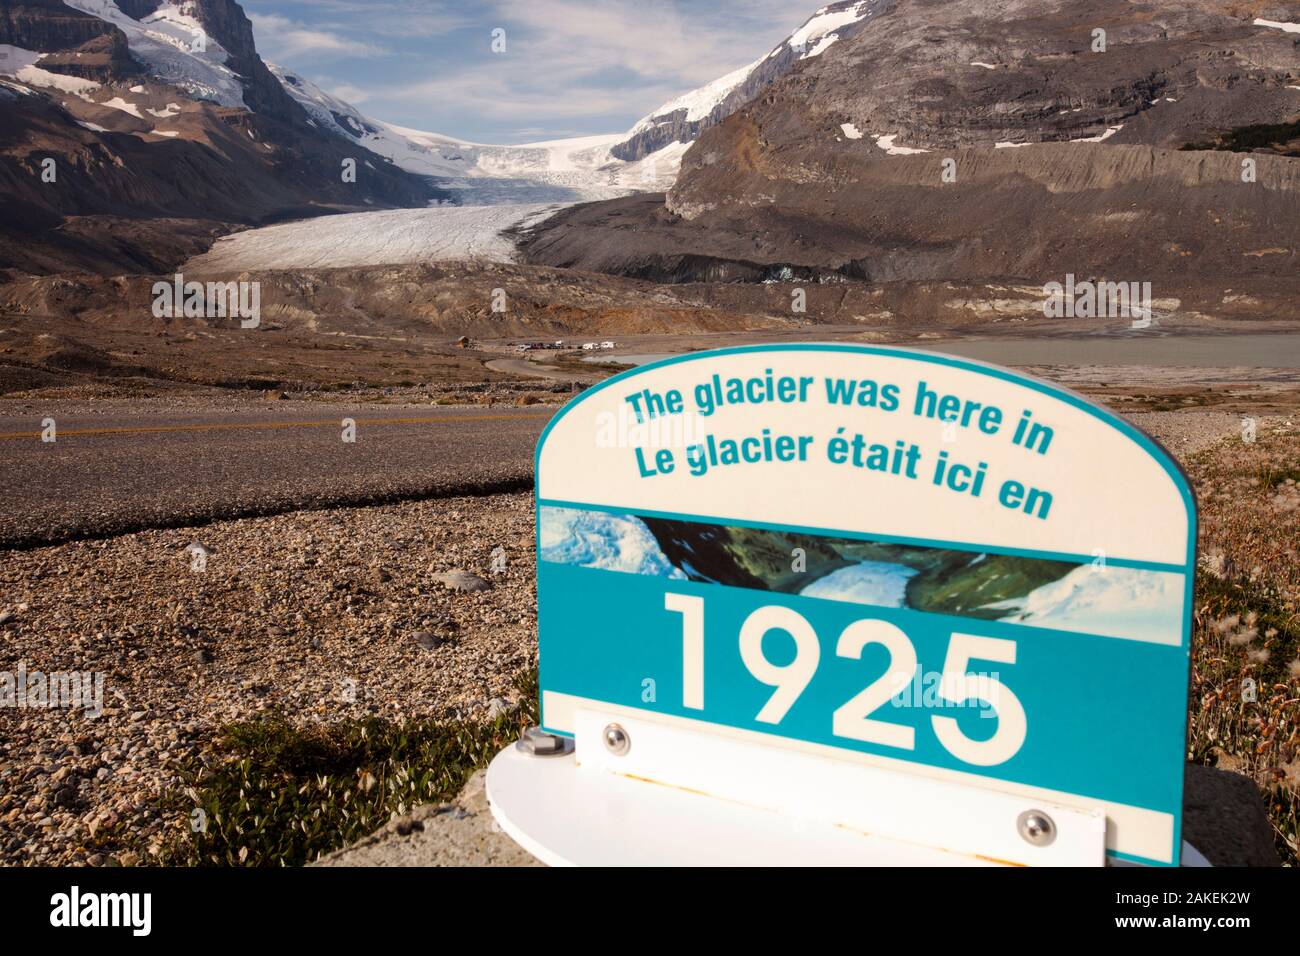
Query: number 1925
853 720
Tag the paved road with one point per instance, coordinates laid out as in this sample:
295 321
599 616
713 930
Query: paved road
130 469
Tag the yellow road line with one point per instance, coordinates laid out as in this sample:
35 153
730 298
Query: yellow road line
265 426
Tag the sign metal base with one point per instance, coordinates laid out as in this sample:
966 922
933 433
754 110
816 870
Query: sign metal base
567 816
661 795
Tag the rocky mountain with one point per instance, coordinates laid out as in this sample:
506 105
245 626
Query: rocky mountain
683 119
1019 140
132 132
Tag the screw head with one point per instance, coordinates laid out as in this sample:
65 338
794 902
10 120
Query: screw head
617 741
540 743
1036 828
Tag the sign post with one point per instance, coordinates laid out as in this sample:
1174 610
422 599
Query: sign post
853 605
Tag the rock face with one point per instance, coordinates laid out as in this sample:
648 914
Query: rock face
104 59
891 157
952 73
226 23
48 25
149 164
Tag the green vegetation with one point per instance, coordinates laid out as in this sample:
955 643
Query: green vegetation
1271 475
277 794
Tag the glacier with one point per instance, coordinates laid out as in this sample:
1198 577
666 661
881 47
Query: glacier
594 539
877 583
1118 602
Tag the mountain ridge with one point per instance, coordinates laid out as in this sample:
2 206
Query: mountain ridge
172 118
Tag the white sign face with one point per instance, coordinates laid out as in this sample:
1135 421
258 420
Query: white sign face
923 562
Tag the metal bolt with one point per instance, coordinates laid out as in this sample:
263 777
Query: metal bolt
1036 827
541 743
616 740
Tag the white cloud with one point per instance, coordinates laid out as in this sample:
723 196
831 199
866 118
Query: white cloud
346 91
558 51
279 38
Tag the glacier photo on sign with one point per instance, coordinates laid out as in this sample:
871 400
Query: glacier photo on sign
1090 598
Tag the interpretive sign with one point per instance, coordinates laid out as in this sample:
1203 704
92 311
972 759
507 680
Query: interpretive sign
914 563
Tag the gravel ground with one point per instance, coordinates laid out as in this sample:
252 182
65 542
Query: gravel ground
322 615
1186 433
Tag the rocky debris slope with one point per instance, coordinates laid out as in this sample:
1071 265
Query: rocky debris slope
972 140
384 325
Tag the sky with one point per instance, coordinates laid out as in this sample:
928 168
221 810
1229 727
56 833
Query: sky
569 67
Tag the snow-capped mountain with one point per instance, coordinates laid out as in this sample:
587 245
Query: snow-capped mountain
174 46
646 158
1137 604
165 129
683 119
582 168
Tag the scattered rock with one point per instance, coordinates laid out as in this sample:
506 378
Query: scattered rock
204 656
462 581
406 826
6 617
1224 818
428 640
497 706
